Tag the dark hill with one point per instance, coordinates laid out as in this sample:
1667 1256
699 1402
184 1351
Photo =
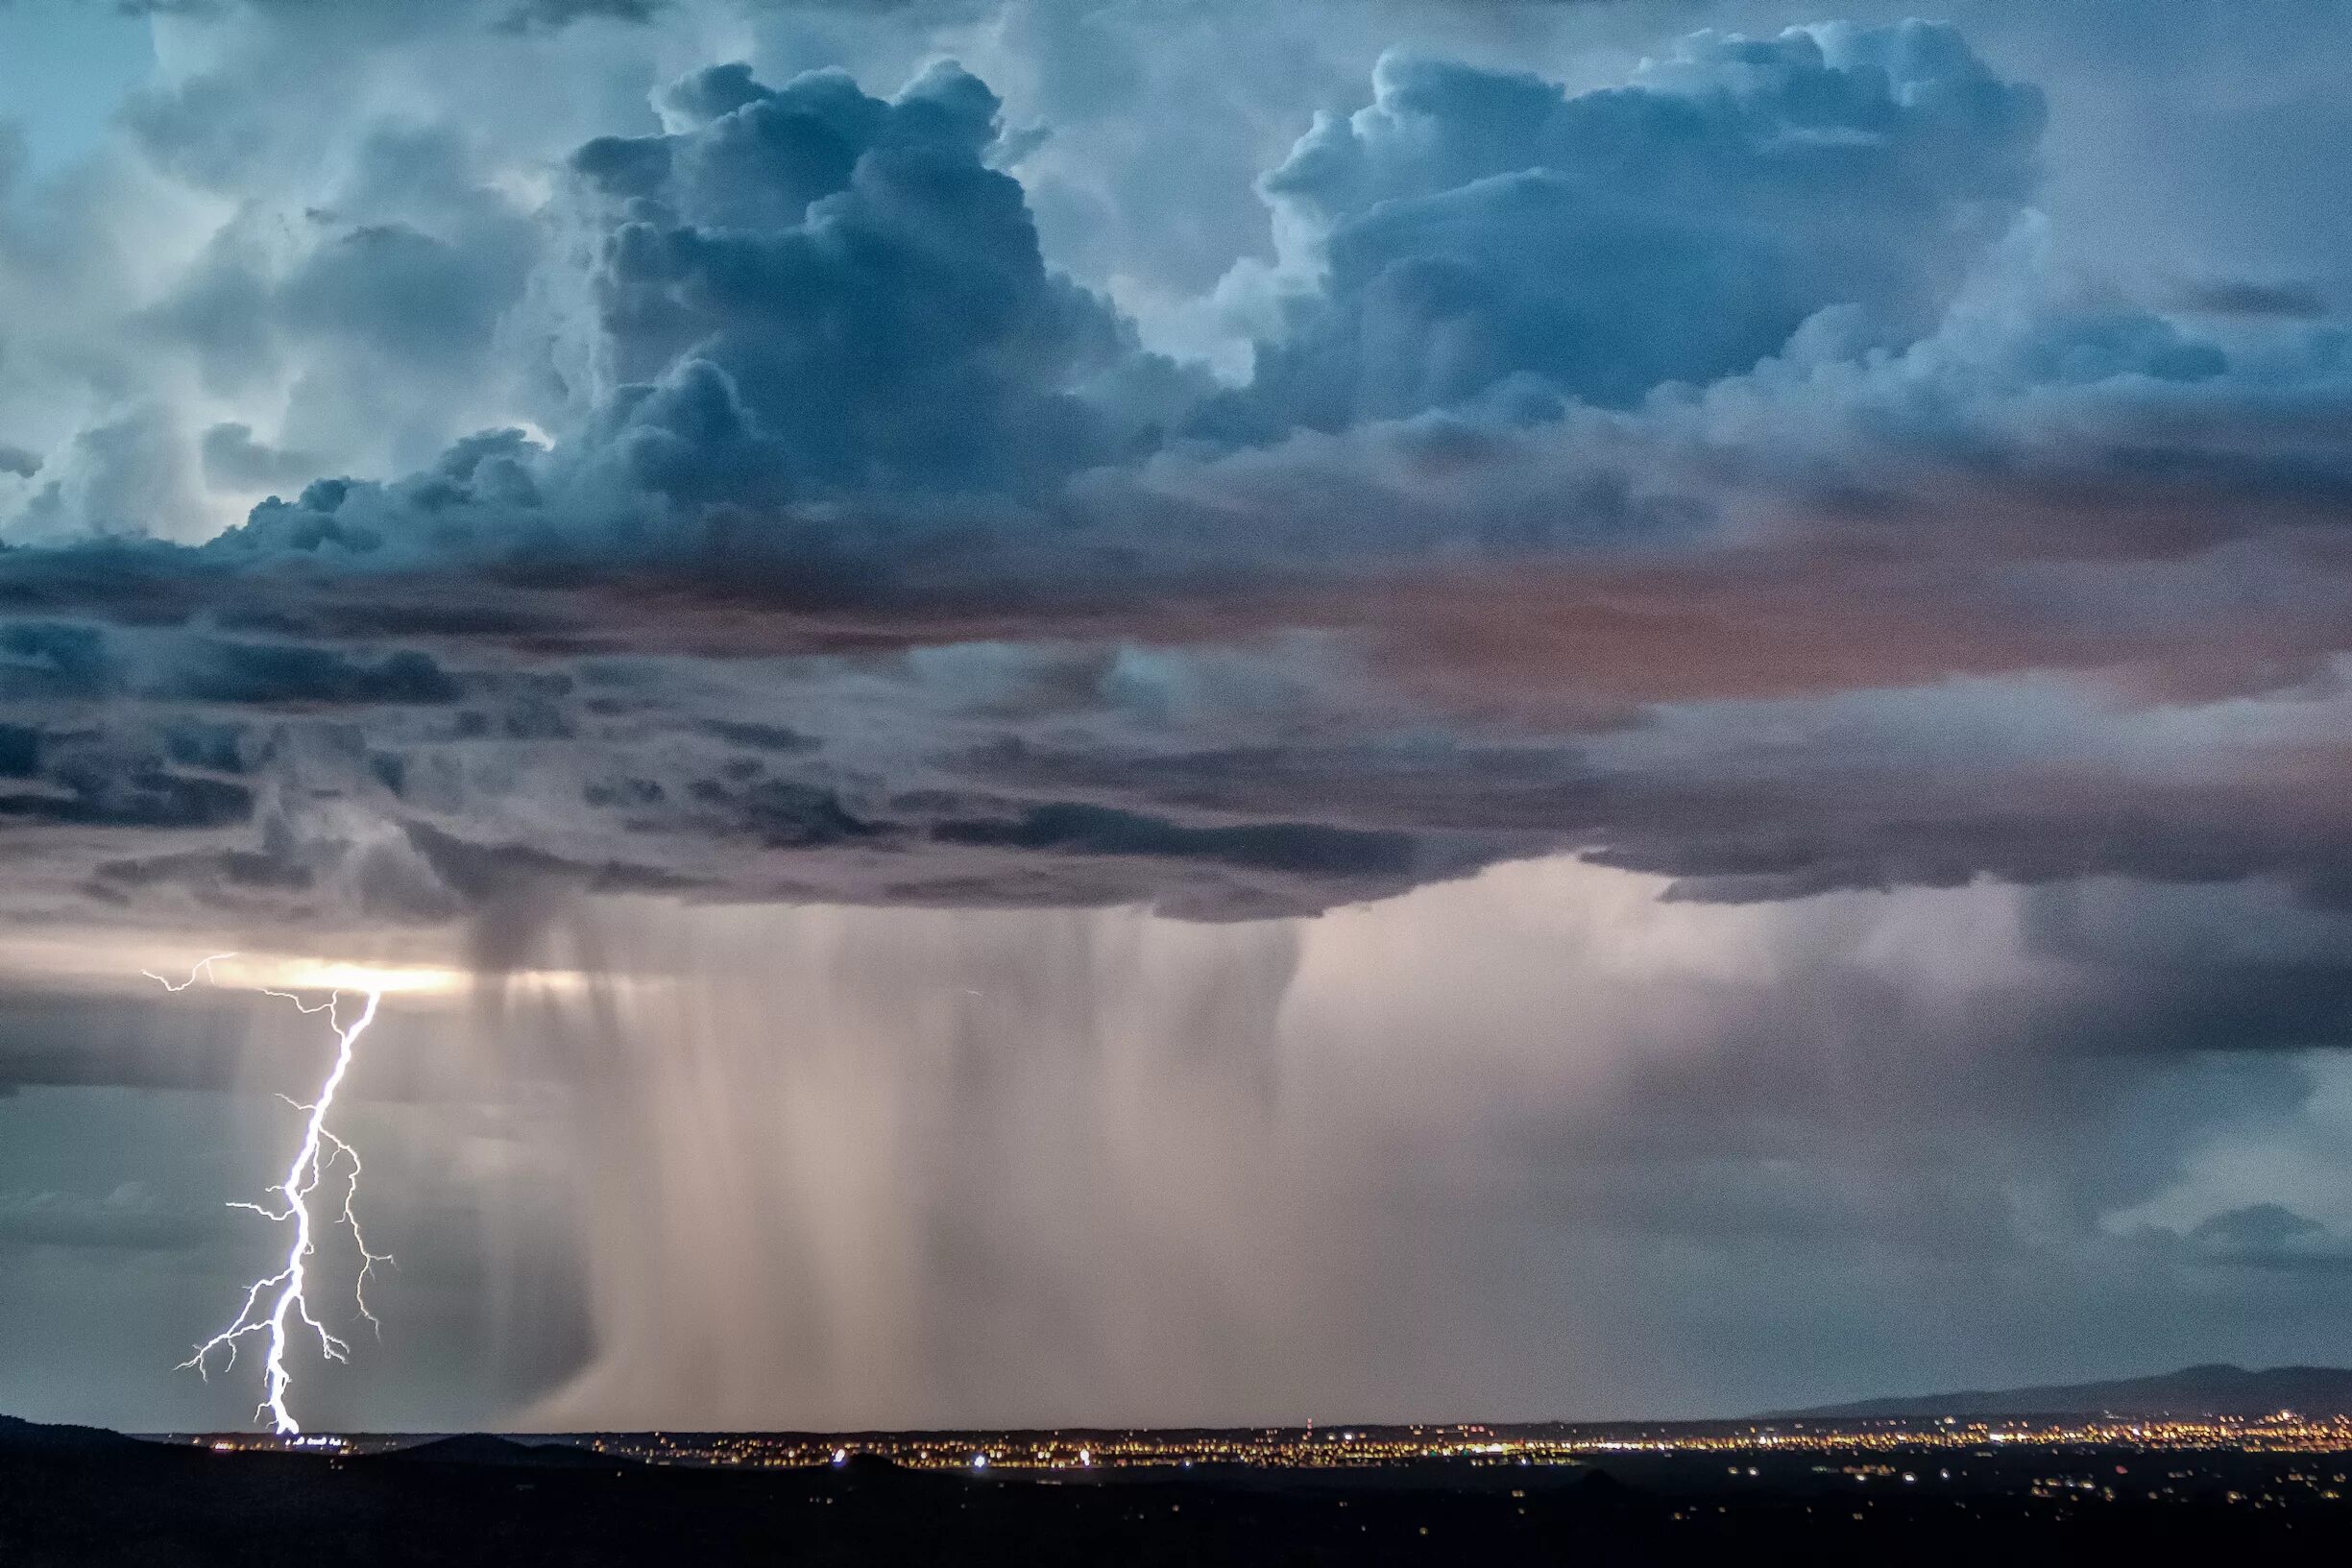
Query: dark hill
2193 1391
32 1437
482 1448
193 1506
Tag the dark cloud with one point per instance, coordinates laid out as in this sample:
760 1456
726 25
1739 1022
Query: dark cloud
2271 1237
51 1038
254 674
1276 846
527 16
511 16
130 1218
65 660
138 798
778 737
1598 443
19 751
2245 297
816 289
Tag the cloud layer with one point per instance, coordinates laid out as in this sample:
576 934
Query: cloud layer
1712 469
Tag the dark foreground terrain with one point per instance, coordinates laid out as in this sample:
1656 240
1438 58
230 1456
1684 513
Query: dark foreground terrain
70 1498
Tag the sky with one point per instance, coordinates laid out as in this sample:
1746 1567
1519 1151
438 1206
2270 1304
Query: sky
1162 711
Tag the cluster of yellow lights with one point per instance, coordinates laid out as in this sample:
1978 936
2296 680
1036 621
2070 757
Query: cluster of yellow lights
1293 1448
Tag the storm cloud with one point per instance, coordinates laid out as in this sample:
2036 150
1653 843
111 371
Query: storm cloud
1546 387
1159 711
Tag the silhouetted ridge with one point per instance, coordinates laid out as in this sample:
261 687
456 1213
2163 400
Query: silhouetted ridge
481 1448
2213 1390
32 1436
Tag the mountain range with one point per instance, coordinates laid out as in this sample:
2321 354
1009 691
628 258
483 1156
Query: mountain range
2213 1390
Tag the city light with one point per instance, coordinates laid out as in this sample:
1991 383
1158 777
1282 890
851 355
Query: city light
1861 1450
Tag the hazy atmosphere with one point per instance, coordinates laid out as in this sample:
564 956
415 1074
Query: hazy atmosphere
1170 712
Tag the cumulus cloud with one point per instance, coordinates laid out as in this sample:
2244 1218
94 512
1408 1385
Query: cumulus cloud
812 289
1468 225
1659 470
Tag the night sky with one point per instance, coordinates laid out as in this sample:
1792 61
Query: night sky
1176 710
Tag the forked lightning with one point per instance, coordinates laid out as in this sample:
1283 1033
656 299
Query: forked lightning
272 1301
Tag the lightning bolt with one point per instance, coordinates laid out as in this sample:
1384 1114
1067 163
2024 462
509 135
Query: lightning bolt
274 1302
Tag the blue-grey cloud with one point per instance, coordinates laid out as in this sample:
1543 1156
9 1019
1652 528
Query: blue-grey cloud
2246 296
130 1217
234 459
1470 225
804 385
839 292
527 14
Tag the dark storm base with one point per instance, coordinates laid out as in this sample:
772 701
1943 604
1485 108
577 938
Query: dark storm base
105 1499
